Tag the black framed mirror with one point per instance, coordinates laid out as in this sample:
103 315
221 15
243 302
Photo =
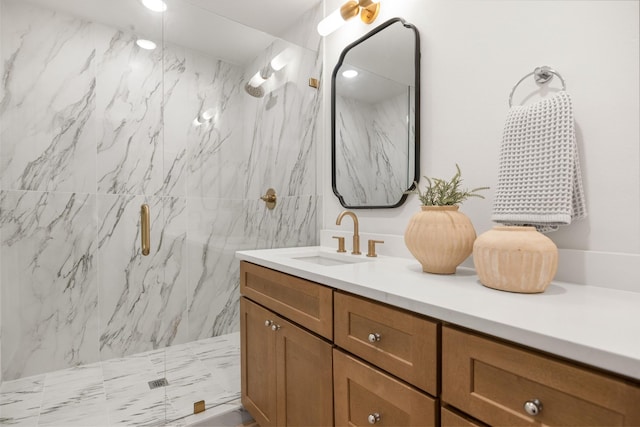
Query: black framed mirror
375 118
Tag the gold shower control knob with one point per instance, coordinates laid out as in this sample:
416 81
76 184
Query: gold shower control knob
270 198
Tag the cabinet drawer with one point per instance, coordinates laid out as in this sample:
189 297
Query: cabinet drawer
361 391
449 418
306 303
491 381
405 344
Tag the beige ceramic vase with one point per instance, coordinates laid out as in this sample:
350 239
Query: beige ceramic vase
440 238
515 259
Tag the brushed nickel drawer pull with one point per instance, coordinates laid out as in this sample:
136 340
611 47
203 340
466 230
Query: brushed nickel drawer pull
275 327
145 229
533 407
373 418
268 323
374 337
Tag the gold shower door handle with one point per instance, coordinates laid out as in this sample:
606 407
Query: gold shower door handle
145 229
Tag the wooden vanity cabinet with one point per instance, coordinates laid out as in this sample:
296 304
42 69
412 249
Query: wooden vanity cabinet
286 371
393 367
492 380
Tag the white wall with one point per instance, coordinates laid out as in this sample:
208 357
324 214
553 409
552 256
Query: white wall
473 52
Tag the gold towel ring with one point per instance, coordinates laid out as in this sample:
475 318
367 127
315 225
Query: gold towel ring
542 75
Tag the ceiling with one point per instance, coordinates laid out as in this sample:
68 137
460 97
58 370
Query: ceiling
235 31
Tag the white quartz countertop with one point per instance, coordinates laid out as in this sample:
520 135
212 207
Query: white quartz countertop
594 325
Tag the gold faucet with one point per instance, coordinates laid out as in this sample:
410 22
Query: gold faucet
356 235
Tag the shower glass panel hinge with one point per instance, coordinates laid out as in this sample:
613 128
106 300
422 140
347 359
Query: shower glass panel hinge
162 382
198 407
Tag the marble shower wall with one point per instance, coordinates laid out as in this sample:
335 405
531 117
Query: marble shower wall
83 143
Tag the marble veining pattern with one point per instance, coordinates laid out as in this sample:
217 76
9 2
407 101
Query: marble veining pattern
74 288
215 232
143 302
129 99
49 99
48 274
115 392
215 154
280 154
372 149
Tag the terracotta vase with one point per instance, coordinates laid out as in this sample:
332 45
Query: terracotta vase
440 238
515 259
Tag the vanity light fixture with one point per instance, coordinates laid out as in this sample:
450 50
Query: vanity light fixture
280 60
368 13
146 44
349 74
155 5
276 64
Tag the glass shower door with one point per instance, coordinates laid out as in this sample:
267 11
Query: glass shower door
141 229
81 150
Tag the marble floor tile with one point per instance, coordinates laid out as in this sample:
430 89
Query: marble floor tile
20 401
74 397
116 392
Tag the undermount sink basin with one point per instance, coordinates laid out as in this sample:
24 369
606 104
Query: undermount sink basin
329 259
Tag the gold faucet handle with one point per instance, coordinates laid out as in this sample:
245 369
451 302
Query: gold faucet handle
340 244
372 247
270 198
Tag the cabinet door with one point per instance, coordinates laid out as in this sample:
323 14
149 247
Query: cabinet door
365 395
286 371
258 359
304 377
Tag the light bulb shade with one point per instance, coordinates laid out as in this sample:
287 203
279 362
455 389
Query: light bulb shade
331 23
335 20
280 60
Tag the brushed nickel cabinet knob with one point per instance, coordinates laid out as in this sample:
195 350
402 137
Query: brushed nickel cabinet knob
374 337
373 418
533 407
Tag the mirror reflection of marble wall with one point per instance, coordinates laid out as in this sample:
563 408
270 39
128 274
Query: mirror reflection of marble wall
374 135
373 153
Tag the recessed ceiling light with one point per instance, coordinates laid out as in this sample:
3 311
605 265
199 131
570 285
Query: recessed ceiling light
155 5
146 44
349 74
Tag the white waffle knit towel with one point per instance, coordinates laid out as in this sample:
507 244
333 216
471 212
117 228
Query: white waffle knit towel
539 179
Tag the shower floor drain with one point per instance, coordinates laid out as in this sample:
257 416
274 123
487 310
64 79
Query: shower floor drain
162 382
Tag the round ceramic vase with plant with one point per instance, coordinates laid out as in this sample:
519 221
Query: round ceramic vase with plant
441 237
